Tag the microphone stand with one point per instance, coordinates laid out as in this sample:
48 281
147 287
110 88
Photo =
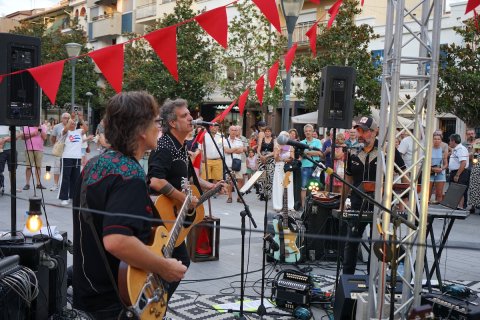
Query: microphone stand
243 214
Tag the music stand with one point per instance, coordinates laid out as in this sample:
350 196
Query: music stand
249 184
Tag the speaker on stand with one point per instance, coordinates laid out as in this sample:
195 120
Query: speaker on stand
337 88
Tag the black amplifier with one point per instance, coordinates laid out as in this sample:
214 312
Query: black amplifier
292 291
452 308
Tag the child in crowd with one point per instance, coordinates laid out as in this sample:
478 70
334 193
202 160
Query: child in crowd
251 163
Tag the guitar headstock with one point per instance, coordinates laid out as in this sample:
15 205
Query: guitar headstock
186 187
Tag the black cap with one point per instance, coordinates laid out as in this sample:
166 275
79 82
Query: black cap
367 123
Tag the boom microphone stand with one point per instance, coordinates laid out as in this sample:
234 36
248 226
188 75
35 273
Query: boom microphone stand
243 214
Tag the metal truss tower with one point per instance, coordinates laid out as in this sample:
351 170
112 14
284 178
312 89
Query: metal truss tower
417 26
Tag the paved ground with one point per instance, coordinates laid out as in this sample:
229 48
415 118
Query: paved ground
459 261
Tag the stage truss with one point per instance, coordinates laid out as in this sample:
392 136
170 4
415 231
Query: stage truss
407 25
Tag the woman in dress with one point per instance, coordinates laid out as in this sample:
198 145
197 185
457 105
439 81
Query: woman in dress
282 154
266 162
437 172
474 188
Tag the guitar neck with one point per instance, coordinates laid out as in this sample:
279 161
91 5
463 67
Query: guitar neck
208 194
174 233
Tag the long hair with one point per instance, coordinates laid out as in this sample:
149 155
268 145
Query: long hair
128 115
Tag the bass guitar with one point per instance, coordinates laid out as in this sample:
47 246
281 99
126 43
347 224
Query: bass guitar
286 229
168 211
145 292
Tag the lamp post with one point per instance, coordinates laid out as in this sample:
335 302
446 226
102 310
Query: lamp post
291 10
73 50
89 110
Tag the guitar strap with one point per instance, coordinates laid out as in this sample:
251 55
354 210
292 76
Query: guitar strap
194 177
281 238
88 218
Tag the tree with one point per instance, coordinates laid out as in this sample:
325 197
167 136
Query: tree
145 71
253 46
53 49
344 44
459 76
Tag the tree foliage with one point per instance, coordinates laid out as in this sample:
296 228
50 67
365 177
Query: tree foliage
459 76
344 44
145 71
253 46
53 49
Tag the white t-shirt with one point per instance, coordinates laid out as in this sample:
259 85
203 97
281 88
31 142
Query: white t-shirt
212 152
236 143
459 154
73 145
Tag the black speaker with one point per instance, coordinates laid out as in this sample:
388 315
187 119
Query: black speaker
335 105
19 93
349 285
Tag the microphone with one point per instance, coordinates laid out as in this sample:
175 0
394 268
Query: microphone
273 245
358 147
203 123
283 140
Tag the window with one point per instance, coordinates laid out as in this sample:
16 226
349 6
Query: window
83 12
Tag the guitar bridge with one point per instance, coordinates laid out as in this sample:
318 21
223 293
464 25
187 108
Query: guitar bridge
154 291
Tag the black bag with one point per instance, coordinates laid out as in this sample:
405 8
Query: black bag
236 164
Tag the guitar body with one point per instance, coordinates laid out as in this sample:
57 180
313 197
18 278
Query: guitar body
168 210
292 253
145 292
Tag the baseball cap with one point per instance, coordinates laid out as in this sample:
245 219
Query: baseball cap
367 123
261 124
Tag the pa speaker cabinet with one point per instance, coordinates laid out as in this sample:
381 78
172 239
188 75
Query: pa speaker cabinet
335 105
19 93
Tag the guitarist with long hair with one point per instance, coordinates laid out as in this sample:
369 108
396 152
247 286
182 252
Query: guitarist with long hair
114 182
169 163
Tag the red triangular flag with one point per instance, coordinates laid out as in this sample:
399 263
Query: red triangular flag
362 2
225 112
272 74
333 12
242 101
315 1
164 42
200 136
471 4
1 79
260 88
290 56
312 37
48 77
269 9
110 61
197 161
475 16
215 23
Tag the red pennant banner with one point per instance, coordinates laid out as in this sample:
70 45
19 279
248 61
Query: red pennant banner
471 4
475 16
1 79
164 42
200 136
269 9
110 61
260 88
215 23
197 161
272 74
312 37
242 101
362 3
333 12
290 56
225 112
48 78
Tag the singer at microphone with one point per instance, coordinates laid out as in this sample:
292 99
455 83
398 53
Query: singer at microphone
199 122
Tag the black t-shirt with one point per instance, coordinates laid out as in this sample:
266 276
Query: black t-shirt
169 161
362 166
115 184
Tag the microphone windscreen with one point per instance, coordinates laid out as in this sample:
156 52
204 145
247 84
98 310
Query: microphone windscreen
282 140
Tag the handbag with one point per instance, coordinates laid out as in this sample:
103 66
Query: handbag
58 147
236 163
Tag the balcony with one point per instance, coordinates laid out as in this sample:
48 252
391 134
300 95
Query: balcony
147 11
299 32
109 25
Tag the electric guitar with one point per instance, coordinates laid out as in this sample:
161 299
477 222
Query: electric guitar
168 209
145 292
286 230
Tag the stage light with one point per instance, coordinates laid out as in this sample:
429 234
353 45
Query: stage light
34 222
47 175
314 186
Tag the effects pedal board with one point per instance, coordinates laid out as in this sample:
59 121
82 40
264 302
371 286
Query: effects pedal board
453 308
292 291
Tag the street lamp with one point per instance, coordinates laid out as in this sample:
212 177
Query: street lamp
89 110
73 50
291 10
